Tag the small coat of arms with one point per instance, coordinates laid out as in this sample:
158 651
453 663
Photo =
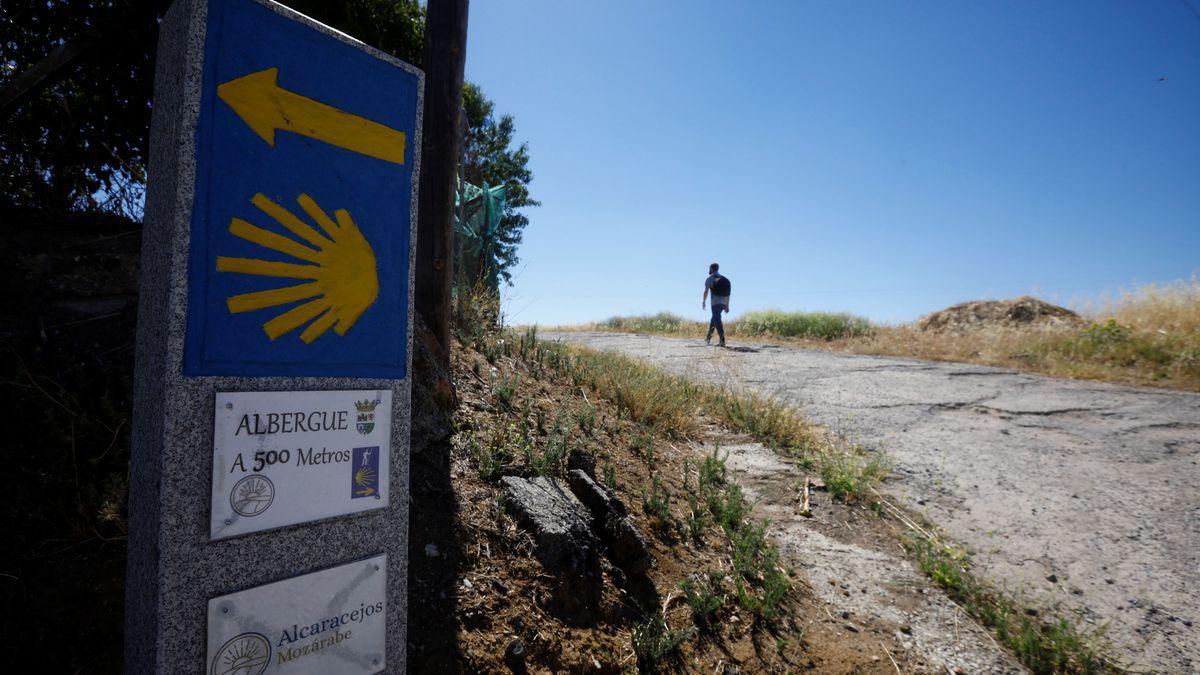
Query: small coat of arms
366 416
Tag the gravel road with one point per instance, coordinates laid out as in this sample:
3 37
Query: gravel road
1077 493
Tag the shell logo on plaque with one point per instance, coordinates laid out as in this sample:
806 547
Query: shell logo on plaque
299 246
331 621
287 457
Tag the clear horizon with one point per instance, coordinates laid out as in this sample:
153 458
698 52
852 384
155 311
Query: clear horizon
877 159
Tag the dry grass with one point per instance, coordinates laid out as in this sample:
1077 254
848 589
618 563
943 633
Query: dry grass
1146 336
674 406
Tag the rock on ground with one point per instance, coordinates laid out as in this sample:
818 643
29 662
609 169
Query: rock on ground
626 546
562 535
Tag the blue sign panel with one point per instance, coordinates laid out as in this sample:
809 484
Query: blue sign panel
364 473
299 260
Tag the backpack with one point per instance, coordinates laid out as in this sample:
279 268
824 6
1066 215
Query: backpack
722 287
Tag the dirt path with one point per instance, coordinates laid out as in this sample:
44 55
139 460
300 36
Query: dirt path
1078 493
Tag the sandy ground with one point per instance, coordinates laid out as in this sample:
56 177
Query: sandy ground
1075 493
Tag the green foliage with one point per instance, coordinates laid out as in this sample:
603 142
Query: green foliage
490 459
771 322
654 641
610 474
586 417
643 446
527 342
712 471
749 540
1044 646
697 518
704 597
849 474
1118 346
663 322
553 458
81 141
729 507
504 388
489 158
657 503
1107 333
809 325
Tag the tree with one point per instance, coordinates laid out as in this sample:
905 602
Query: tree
488 157
85 128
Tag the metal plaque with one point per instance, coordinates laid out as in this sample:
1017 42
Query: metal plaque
332 621
287 457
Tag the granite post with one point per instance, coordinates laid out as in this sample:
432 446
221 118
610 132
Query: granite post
175 566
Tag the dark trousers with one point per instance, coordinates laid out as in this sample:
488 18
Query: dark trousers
716 323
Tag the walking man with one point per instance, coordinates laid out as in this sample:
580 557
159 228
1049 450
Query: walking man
720 287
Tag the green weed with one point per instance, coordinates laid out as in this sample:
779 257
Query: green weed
1044 646
657 503
808 325
848 475
654 642
610 474
704 597
504 389
586 417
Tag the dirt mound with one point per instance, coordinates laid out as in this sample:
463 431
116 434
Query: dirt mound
1018 312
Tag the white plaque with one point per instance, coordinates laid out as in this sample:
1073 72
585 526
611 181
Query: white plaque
287 457
330 621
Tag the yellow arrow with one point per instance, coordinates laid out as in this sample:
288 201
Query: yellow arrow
266 107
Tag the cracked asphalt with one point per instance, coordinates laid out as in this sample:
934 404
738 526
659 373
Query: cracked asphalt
1076 493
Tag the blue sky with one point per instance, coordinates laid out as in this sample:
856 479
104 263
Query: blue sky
882 158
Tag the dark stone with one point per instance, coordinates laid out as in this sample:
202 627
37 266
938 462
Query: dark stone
519 470
626 544
599 500
514 655
562 535
610 518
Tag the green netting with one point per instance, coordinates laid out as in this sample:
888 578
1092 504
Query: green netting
477 213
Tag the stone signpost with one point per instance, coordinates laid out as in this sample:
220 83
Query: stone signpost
269 477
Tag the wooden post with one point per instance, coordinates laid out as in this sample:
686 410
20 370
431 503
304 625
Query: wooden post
445 55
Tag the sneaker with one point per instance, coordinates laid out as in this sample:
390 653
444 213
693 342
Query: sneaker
721 343
708 341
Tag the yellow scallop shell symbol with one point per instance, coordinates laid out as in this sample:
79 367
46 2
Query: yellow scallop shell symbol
337 260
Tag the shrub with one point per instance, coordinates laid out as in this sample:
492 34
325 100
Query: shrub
663 322
654 641
704 597
505 390
850 473
809 325
657 503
